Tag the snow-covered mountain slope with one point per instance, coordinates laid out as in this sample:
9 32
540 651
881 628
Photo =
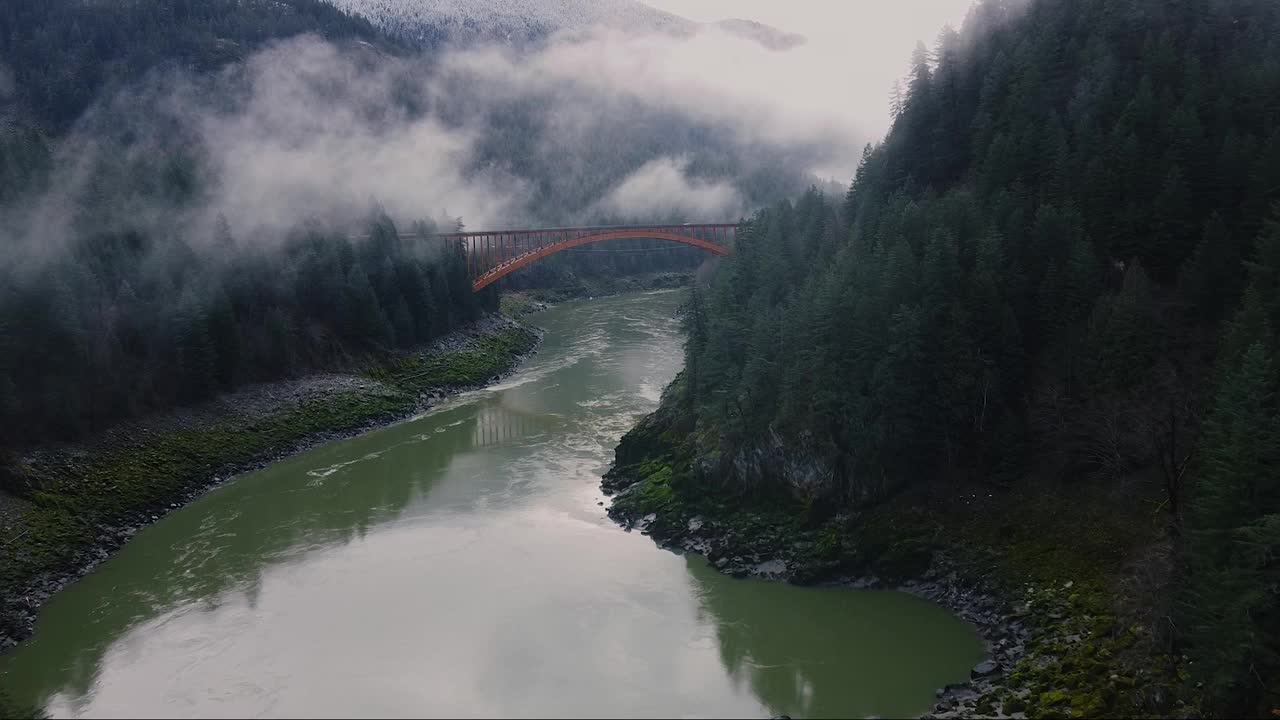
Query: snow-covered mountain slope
425 20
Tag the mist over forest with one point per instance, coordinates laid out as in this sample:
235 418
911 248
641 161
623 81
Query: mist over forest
1016 331
168 202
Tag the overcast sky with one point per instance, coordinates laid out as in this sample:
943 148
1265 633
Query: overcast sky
856 47
868 28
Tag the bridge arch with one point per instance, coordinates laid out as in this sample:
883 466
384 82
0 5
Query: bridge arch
492 256
507 267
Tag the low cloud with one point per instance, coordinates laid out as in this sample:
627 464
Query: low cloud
711 75
599 123
322 136
662 189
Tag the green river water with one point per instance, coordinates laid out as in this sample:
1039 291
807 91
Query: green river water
459 564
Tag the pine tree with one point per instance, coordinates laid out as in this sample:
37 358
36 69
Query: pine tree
1232 501
1211 278
1172 239
224 334
402 323
895 101
366 322
694 324
198 378
1259 315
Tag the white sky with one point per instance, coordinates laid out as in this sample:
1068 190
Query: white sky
875 27
856 48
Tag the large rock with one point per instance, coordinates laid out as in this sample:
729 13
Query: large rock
986 668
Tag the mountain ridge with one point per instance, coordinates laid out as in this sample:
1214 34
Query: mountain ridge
431 21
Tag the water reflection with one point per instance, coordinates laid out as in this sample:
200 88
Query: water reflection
497 425
830 652
217 550
458 565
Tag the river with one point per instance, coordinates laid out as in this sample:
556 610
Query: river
461 564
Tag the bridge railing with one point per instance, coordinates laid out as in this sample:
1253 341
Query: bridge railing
492 254
586 229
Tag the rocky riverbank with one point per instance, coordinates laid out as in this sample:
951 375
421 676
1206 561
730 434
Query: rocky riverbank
757 546
70 507
1051 595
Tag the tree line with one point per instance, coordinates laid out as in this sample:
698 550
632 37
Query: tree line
128 315
1064 255
62 55
127 323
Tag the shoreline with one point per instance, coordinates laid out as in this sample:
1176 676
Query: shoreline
1051 595
350 404
1001 628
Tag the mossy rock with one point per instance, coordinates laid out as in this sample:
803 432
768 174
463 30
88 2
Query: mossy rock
1103 625
830 543
16 477
654 493
1088 704
1094 669
1051 698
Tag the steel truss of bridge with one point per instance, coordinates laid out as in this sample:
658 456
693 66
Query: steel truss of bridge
492 255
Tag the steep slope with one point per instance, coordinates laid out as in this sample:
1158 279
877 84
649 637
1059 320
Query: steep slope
1024 323
428 20
141 235
431 22
58 56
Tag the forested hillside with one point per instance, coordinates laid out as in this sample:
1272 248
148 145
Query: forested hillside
61 55
127 319
436 21
1062 265
126 324
124 127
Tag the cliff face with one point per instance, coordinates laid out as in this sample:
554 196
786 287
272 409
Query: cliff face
1047 577
797 466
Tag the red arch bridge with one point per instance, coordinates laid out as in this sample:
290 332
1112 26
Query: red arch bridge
492 255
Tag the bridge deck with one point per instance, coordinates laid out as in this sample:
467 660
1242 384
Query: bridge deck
494 254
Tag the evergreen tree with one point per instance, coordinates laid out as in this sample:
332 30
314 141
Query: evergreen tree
1029 260
1211 278
1231 603
197 357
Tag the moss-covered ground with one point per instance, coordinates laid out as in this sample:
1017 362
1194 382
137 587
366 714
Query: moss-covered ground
1078 565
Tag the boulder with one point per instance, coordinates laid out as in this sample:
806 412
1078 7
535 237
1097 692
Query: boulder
986 668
